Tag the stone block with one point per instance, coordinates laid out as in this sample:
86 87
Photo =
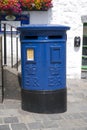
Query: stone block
4 127
20 126
11 120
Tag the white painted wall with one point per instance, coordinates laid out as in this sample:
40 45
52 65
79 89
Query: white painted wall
66 12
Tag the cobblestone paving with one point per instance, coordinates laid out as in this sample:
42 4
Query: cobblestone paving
12 117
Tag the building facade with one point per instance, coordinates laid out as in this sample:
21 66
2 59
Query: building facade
72 14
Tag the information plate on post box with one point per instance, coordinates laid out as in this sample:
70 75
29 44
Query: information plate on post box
30 54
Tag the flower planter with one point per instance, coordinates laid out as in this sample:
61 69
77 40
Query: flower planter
17 6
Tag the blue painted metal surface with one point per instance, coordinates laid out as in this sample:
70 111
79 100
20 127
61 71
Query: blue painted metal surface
43 53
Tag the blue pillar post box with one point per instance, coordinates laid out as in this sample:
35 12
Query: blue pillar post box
43 61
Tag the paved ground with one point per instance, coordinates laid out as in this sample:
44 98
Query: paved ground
13 118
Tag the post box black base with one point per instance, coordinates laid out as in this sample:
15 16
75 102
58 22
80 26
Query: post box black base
44 101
